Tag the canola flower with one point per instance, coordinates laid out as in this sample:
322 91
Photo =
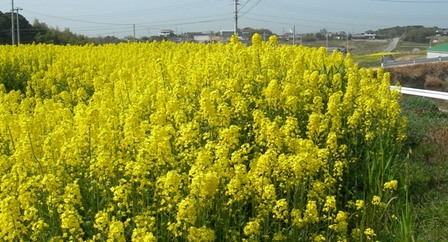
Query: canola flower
195 142
391 185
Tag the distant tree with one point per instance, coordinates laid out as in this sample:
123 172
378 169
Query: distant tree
26 30
40 32
5 28
309 37
322 35
414 33
129 38
106 40
392 32
45 34
419 35
145 38
263 32
51 35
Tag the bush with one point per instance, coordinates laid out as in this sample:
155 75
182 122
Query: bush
435 83
433 75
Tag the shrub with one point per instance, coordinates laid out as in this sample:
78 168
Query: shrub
433 82
416 76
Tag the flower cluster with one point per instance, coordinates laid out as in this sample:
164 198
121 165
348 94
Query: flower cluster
194 142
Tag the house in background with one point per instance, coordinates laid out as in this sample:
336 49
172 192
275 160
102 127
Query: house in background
366 35
166 33
436 51
441 32
204 37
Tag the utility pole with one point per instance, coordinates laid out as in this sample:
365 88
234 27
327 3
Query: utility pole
235 12
347 43
18 27
12 23
294 35
133 26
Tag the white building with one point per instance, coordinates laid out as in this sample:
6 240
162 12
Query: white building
203 38
166 32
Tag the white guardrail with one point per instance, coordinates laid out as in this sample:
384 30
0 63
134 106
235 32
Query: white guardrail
422 93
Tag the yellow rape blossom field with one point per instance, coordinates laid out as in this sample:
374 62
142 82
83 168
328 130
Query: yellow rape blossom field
197 142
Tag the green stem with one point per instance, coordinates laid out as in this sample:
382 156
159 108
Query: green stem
34 154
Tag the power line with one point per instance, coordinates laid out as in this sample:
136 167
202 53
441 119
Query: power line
165 10
151 11
77 20
244 5
251 7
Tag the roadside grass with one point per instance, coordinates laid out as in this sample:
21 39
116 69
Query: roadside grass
427 141
354 46
360 50
368 53
367 60
411 47
428 167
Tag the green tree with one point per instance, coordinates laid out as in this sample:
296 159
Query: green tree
26 30
419 35
5 28
265 33
49 35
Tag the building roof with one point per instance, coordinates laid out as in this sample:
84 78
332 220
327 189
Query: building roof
439 48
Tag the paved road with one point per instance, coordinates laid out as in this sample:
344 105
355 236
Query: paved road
392 45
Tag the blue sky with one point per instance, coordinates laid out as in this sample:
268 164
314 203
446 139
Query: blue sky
117 17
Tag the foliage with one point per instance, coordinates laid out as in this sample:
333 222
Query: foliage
38 32
422 115
427 139
263 32
415 33
27 31
367 61
195 142
419 35
51 35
